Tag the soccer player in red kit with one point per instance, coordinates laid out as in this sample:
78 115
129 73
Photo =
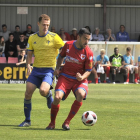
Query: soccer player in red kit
73 76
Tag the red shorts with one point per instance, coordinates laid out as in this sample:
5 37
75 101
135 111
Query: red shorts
65 85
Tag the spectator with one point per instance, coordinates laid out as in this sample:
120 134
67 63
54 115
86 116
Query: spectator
97 36
53 29
103 61
10 48
17 32
74 34
2 46
28 32
21 58
21 44
122 35
129 59
64 35
94 71
139 69
117 65
87 27
4 32
109 36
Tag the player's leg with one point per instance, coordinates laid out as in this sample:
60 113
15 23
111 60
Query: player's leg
128 71
113 71
46 92
136 75
95 75
80 90
124 71
139 73
107 72
30 88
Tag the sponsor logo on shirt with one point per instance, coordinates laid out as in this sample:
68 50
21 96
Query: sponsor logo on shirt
83 56
72 60
67 50
90 58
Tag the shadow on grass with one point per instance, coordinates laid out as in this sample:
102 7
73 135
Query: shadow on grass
82 129
8 125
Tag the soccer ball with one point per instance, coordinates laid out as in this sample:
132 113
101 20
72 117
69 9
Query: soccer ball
89 118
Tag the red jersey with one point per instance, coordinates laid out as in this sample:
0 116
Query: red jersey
77 60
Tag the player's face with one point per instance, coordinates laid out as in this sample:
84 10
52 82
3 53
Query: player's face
128 52
44 26
122 28
4 29
116 51
84 39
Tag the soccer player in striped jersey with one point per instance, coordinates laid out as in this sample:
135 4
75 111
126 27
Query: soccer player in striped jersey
45 46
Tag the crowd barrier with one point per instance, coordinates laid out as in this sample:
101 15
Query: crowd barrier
10 73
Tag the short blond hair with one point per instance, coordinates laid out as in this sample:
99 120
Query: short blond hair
102 50
44 17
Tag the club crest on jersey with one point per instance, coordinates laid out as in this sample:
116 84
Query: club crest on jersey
67 50
83 56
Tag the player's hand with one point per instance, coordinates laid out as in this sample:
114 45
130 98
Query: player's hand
79 77
56 72
29 69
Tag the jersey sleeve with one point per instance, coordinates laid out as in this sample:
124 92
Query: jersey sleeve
98 58
63 52
139 59
110 59
94 58
106 57
89 61
58 42
122 58
29 45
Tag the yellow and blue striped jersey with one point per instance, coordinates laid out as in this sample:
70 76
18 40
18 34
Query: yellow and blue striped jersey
46 49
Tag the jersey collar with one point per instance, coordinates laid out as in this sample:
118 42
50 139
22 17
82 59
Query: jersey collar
42 36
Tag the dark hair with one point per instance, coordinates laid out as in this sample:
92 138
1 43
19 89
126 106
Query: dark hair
21 34
29 25
122 25
0 41
17 26
44 16
115 49
4 25
11 34
87 27
128 49
83 31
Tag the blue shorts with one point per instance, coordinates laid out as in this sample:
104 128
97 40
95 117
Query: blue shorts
39 75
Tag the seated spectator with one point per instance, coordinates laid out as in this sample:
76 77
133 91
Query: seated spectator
117 65
17 32
122 35
74 34
10 47
2 46
129 59
4 32
94 71
22 57
87 27
103 61
109 36
53 29
21 44
64 35
97 36
28 32
139 69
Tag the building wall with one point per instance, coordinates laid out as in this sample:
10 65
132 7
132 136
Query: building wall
68 18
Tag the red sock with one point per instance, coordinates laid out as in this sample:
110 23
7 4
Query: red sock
54 111
127 78
136 76
96 80
107 71
74 109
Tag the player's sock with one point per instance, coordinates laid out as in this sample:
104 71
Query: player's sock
136 76
113 77
54 111
27 109
74 109
50 92
107 71
96 80
125 77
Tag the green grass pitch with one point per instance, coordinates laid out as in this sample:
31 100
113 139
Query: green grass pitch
117 108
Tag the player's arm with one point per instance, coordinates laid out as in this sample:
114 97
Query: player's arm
108 64
80 77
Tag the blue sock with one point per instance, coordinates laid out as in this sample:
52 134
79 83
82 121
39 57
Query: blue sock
50 92
27 109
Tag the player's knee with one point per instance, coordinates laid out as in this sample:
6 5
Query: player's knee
28 95
43 91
